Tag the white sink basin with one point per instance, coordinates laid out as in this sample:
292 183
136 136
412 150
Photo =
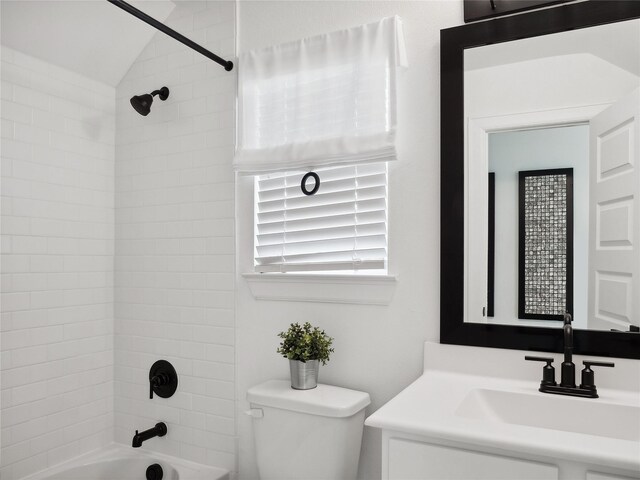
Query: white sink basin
455 401
553 412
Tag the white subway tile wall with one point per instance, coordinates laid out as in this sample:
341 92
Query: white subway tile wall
57 187
174 254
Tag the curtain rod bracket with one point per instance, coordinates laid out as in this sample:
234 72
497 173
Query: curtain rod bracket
227 64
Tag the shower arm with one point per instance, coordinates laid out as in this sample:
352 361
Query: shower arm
227 64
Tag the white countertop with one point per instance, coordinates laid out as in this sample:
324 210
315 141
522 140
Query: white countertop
431 407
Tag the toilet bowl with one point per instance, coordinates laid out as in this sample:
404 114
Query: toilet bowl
307 434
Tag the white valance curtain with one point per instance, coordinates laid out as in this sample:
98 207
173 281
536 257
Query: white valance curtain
321 101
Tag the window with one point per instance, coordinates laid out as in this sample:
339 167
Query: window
325 104
343 227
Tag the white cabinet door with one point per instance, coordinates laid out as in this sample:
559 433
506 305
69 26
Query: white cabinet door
410 460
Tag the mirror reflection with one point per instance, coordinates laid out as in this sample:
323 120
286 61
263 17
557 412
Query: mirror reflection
552 180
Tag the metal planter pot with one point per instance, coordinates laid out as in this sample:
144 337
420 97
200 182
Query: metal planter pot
304 375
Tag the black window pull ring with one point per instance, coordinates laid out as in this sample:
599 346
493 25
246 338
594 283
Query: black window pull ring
303 183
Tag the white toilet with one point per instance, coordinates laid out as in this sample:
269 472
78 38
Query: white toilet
307 434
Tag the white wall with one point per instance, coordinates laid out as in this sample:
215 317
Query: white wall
543 84
174 240
92 38
57 264
378 349
516 151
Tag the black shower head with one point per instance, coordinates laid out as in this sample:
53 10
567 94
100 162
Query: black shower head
142 103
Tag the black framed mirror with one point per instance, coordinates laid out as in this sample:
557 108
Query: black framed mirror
457 324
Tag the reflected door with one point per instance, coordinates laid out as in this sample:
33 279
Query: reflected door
614 254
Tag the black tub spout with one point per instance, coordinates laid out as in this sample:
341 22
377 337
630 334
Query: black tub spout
160 430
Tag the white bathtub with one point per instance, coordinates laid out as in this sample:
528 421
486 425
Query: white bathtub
118 462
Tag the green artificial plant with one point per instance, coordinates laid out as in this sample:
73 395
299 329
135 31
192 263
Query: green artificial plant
305 343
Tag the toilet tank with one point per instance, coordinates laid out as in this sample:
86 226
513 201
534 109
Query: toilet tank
307 434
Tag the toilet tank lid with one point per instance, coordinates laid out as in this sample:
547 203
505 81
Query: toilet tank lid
324 400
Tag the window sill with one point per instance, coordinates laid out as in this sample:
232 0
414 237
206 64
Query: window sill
354 289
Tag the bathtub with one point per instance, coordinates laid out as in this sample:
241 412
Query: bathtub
119 462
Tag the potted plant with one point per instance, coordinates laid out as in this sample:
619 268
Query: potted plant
305 347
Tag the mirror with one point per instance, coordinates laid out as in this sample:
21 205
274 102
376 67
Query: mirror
541 179
553 241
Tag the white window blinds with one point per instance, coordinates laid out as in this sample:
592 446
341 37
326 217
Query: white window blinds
342 227
322 101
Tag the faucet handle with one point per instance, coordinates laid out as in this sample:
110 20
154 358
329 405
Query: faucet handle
588 382
549 360
591 363
548 372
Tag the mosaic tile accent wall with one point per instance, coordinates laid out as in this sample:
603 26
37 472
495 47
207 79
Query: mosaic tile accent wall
546 227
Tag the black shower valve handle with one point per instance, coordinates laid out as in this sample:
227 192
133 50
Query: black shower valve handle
163 379
157 381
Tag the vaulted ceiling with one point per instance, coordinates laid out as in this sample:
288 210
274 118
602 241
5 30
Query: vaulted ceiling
90 37
616 43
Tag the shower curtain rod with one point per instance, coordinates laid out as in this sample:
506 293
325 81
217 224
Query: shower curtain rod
227 64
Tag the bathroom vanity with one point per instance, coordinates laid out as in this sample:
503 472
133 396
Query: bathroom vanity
540 192
464 418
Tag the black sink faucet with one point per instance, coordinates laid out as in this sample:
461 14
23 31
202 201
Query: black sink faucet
568 369
159 430
567 385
